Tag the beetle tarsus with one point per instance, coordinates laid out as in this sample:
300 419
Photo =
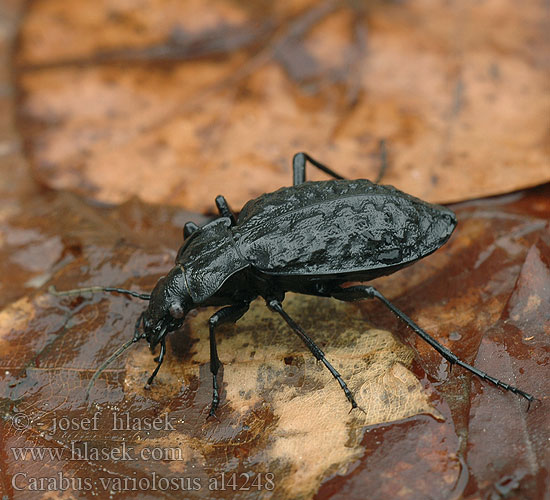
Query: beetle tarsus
159 359
356 407
215 399
368 292
529 401
212 413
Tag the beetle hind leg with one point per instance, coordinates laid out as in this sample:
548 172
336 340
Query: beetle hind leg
276 306
300 160
224 210
369 292
299 168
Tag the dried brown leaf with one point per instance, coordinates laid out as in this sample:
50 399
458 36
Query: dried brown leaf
177 102
485 294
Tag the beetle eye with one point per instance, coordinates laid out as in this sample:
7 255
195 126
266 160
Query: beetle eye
176 311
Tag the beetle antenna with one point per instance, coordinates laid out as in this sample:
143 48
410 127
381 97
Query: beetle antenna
96 289
137 336
107 362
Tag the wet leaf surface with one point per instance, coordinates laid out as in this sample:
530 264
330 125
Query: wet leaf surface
284 430
180 101
484 295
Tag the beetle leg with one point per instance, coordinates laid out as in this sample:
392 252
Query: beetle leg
275 305
300 159
383 161
368 292
189 229
228 314
299 168
159 361
223 208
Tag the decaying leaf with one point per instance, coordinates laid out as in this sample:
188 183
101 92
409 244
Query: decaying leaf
524 321
180 101
199 90
283 417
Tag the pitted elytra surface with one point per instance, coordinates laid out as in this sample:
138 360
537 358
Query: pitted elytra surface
332 227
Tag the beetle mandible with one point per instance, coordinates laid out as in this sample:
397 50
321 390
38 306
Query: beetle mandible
310 238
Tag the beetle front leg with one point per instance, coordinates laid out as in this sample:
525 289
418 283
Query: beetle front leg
189 229
224 210
275 305
299 168
159 361
228 314
369 292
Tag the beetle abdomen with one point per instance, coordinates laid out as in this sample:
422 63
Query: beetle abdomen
339 227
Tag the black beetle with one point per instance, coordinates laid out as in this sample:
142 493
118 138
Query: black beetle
310 238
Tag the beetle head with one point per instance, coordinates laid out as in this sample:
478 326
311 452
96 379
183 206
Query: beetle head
170 302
